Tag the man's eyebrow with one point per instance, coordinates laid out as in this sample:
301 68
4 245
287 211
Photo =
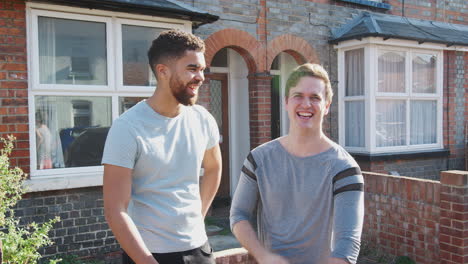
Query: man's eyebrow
194 66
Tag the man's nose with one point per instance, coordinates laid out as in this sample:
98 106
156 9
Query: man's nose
200 76
307 102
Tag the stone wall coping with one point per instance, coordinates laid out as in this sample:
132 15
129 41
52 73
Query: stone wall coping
454 178
399 177
230 252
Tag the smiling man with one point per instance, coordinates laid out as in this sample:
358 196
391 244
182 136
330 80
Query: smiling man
307 190
152 159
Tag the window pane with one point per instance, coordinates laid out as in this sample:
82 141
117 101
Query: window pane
71 130
424 73
423 122
136 41
391 72
126 103
355 124
220 58
390 123
72 52
354 72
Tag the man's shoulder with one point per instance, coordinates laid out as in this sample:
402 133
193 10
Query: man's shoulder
264 149
341 159
200 111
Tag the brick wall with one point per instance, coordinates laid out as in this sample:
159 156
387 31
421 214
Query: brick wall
454 105
13 79
425 220
82 231
421 167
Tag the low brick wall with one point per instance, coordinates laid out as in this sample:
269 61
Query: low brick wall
425 220
234 256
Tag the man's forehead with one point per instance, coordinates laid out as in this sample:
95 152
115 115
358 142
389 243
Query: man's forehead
193 58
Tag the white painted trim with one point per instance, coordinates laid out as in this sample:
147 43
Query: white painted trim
219 70
371 86
73 180
396 42
97 12
341 96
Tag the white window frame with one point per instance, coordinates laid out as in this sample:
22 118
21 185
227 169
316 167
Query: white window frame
371 47
75 177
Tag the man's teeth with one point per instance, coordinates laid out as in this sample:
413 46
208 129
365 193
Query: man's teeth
304 114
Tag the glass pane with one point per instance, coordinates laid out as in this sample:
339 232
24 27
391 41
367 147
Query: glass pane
136 41
423 122
220 58
71 130
390 123
354 72
216 102
391 72
424 73
72 52
275 65
126 103
355 124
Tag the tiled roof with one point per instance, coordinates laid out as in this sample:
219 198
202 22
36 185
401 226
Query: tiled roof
389 26
161 8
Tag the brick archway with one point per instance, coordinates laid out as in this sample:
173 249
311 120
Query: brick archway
242 42
295 46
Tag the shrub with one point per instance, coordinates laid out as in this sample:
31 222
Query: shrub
20 244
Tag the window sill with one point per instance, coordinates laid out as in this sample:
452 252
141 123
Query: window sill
71 181
439 153
369 3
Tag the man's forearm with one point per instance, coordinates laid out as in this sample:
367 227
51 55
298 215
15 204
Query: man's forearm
129 238
209 187
246 235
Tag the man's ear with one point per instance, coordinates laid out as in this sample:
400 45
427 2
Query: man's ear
162 71
327 108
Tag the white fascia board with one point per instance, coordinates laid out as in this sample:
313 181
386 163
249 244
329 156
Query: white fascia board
398 42
97 12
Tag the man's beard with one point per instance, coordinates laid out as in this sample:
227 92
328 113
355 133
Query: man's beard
179 90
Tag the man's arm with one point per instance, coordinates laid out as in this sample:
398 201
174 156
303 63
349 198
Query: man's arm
117 191
348 215
243 207
212 166
248 238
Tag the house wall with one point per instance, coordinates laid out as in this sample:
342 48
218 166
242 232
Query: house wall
425 220
82 231
259 31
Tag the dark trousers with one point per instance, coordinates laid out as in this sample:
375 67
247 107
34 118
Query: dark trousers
200 255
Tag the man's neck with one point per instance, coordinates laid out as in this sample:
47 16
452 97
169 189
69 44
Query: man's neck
164 103
306 143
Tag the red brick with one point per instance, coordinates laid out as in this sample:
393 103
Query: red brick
13 67
13 85
454 178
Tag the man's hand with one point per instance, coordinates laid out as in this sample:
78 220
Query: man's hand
271 258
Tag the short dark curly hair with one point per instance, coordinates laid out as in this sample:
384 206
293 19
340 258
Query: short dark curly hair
172 44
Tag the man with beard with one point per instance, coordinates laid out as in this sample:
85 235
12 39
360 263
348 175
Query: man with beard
152 159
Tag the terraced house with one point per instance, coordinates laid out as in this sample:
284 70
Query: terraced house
69 67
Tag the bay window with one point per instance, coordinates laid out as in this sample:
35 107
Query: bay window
390 98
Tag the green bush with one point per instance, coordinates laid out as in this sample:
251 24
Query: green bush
20 244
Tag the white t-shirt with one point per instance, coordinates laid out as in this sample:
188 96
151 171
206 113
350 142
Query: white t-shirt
166 156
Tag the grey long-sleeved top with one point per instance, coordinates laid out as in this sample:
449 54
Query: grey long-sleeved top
308 208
